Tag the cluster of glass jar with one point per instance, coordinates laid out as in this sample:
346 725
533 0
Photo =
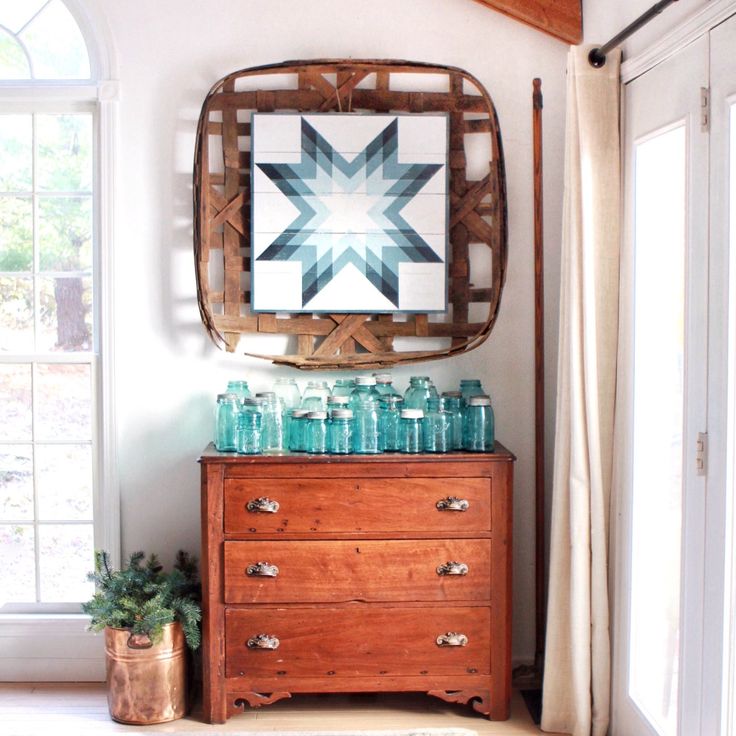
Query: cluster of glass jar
365 415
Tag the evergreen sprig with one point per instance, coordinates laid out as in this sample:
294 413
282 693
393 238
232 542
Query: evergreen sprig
143 598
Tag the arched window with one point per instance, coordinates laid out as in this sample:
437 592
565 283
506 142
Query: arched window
55 488
40 39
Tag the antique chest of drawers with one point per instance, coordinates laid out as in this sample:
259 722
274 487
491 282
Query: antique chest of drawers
356 574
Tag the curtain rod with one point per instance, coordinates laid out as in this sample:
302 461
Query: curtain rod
597 56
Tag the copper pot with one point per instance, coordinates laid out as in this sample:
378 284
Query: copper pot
146 682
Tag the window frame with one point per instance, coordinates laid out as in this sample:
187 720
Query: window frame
98 95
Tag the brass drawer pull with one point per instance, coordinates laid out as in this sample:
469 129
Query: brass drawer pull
452 568
262 570
262 505
452 639
263 641
453 503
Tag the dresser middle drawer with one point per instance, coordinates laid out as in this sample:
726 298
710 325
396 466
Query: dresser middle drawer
341 571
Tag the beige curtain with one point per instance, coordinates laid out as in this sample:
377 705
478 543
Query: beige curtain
576 696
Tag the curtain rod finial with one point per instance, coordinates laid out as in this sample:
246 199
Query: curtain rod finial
596 58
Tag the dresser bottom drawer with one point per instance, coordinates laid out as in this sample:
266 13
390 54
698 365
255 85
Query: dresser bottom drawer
357 642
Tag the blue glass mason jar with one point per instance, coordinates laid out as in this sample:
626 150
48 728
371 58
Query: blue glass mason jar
337 402
297 425
315 396
470 387
343 387
287 391
450 402
419 391
340 432
410 431
385 384
272 424
315 433
364 405
239 388
389 416
478 425
248 437
437 428
226 421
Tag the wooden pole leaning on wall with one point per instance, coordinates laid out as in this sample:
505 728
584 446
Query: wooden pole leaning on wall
529 677
540 603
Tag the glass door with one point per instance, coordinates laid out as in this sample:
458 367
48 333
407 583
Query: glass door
658 525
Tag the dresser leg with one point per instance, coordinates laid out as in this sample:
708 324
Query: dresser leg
481 699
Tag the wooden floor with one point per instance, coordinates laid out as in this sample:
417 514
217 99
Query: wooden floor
65 709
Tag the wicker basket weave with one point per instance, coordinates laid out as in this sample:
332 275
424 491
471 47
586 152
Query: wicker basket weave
222 209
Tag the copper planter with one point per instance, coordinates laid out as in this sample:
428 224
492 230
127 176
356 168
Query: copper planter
146 683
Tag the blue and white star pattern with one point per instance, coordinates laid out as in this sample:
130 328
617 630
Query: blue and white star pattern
349 213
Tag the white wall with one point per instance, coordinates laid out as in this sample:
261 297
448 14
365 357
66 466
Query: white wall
167 372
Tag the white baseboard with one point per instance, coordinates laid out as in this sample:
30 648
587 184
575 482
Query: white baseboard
50 648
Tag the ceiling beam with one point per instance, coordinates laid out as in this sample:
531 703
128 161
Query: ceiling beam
562 19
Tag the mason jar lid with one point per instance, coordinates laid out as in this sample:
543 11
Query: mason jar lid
316 415
266 394
412 414
228 397
253 401
337 399
452 394
383 377
418 378
299 413
365 381
466 381
479 401
342 413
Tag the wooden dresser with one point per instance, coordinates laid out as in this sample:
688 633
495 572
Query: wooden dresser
356 574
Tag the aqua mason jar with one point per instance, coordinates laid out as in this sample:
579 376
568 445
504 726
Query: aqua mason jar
249 428
337 402
315 433
419 391
470 387
437 428
226 422
340 432
389 416
272 425
297 425
291 398
410 431
315 396
343 387
478 425
450 402
239 388
364 405
385 384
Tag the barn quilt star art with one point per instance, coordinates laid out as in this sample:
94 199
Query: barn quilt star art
349 213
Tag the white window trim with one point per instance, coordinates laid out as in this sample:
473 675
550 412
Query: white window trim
53 646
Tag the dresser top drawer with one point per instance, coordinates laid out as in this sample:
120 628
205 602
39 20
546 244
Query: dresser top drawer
324 506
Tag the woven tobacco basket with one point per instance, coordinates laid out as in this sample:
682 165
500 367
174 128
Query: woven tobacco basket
477 210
